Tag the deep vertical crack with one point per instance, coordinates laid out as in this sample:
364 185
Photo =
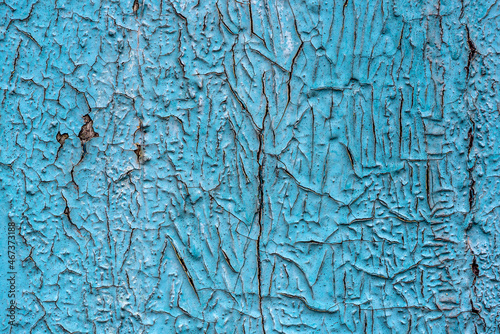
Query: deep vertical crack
471 164
472 51
261 162
259 219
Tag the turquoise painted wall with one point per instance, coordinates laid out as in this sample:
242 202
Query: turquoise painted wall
250 167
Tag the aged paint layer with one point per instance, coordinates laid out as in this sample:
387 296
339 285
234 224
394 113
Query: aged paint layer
251 167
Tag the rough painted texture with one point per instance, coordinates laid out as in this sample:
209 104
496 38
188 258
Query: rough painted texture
251 167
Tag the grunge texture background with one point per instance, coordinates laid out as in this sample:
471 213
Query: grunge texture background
272 166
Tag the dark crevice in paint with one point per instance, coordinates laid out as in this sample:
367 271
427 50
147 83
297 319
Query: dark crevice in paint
61 138
472 182
135 7
261 162
138 152
67 213
184 267
87 131
475 267
472 51
73 179
474 309
471 163
259 219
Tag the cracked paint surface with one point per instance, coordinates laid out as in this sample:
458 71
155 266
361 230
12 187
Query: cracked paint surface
251 167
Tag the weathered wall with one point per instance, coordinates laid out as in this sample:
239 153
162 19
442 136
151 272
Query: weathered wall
273 166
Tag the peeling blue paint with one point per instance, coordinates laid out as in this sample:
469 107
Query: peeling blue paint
250 167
